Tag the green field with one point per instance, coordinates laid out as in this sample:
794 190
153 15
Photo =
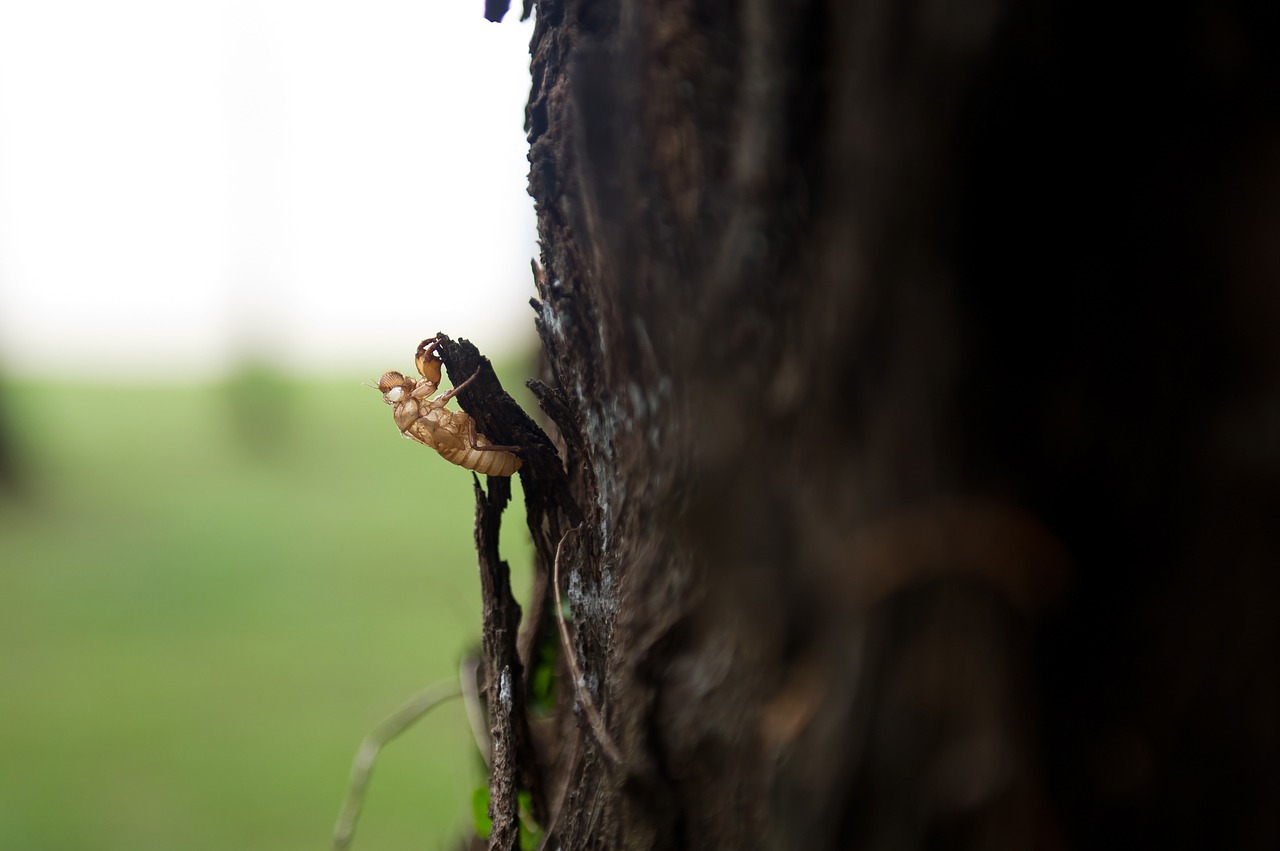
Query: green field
208 595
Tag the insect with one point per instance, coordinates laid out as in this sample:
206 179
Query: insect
428 421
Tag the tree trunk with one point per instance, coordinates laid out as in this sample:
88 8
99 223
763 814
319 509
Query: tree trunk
915 374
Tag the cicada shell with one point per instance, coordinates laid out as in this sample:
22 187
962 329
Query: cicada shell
421 415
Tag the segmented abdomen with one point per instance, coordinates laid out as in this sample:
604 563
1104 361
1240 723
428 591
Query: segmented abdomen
488 463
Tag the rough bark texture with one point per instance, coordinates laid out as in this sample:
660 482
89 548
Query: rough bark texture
916 378
516 764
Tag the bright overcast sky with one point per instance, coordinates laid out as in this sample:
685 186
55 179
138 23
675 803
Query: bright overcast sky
321 183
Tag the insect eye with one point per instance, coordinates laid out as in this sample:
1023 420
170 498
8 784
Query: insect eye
394 394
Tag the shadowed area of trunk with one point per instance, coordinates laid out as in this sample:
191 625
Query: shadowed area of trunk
914 373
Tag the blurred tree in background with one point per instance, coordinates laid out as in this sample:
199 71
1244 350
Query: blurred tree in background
8 459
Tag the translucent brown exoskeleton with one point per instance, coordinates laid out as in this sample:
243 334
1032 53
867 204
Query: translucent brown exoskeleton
428 421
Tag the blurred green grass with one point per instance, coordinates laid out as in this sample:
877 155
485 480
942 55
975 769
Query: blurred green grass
208 595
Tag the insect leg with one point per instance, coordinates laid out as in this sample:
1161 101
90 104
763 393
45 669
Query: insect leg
427 362
471 438
445 397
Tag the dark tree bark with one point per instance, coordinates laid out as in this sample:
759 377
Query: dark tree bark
915 370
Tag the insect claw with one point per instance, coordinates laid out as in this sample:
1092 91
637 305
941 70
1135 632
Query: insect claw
427 361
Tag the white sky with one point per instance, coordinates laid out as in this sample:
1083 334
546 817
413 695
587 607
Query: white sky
319 182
